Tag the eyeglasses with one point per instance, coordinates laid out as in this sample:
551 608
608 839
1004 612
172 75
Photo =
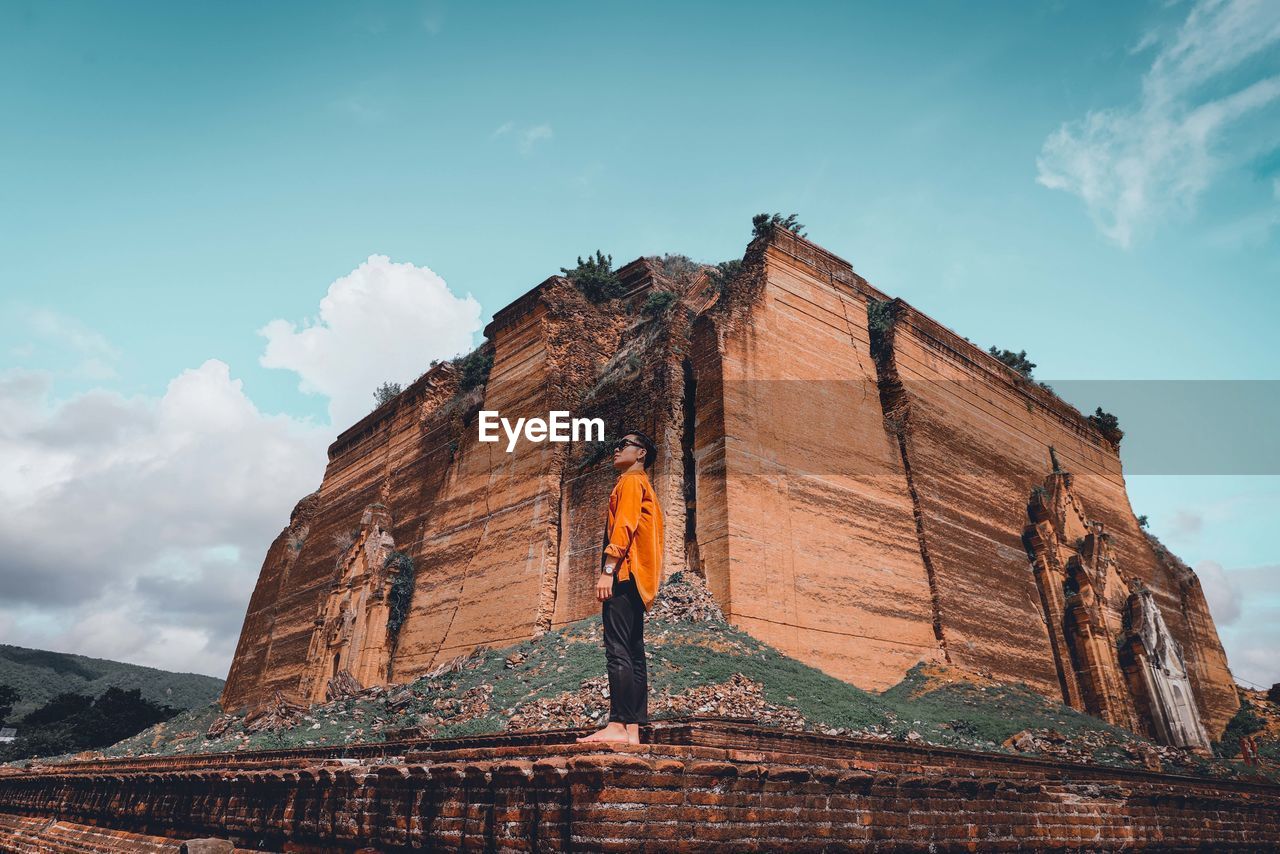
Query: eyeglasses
622 443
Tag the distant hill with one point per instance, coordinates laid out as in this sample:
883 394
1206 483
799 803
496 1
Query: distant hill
40 675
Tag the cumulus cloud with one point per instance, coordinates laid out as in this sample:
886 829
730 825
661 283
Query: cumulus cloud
383 322
1251 640
1133 165
134 526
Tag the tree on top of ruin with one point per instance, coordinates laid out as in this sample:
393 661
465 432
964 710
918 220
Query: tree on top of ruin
763 224
1018 361
595 277
385 392
1108 425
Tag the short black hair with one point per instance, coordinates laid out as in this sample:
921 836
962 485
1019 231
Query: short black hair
650 449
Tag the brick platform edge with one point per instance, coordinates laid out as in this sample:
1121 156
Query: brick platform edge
697 784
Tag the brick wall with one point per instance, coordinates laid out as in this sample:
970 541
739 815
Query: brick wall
699 785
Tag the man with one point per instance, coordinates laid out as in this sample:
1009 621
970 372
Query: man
627 585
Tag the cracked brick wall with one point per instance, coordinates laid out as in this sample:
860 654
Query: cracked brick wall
859 513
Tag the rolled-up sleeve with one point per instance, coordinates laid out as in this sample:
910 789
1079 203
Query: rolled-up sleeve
627 516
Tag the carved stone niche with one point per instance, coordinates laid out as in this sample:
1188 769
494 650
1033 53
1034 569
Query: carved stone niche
1082 593
1157 674
350 634
1115 656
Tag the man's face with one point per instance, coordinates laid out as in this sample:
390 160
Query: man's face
627 452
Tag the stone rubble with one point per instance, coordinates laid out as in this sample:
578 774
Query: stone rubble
685 598
280 712
343 686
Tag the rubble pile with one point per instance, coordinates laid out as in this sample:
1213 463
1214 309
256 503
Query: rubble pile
1092 746
343 686
737 697
581 708
280 712
220 725
685 598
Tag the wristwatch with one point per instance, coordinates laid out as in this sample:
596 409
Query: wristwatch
608 569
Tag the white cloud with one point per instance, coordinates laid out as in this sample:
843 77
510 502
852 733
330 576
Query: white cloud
1252 640
1149 39
1133 165
134 527
526 137
382 322
79 351
532 136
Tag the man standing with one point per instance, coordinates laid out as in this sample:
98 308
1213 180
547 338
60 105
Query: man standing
628 584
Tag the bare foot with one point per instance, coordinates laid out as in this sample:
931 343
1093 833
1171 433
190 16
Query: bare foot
615 731
633 733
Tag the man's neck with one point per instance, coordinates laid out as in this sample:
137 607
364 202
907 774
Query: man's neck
633 467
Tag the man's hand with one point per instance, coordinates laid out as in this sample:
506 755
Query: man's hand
604 586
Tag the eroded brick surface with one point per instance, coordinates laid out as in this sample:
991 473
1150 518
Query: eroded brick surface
861 497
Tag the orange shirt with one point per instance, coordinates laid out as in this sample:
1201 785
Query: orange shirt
635 519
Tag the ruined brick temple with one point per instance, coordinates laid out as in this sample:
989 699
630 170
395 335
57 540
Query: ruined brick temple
860 487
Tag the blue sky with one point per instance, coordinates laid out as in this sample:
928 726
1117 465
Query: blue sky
1098 184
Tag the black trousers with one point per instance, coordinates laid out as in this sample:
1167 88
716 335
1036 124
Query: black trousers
623 616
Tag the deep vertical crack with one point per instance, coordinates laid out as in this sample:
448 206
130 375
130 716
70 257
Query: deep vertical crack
882 318
690 485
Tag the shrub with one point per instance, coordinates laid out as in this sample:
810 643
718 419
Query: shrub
879 316
1142 521
1108 425
763 224
1018 361
475 367
595 277
659 302
401 594
723 273
385 392
679 268
1245 722
71 722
